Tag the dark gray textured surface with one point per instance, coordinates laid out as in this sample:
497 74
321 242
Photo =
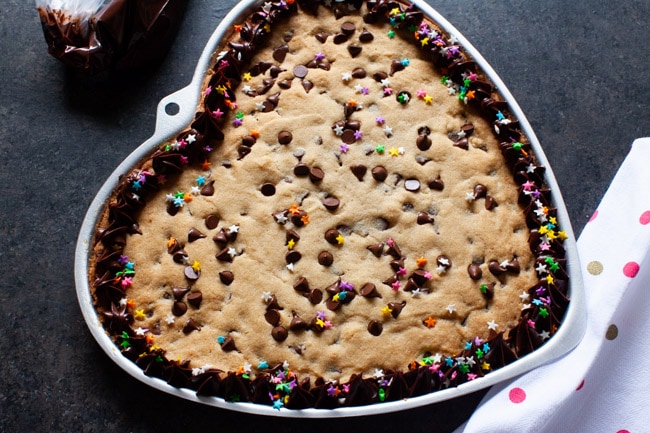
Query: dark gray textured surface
578 69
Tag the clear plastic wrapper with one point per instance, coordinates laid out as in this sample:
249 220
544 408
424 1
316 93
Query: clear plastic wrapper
94 36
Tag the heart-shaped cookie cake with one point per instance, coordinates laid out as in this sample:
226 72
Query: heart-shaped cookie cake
353 216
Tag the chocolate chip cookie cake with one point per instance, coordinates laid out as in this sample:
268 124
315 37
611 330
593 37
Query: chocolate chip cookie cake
352 217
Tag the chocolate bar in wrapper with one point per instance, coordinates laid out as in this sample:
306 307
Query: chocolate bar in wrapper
94 36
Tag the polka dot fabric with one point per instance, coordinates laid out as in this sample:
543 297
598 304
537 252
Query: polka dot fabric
603 385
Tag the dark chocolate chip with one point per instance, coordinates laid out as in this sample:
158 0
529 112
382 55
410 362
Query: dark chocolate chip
396 308
268 189
179 292
487 290
297 323
468 129
420 276
226 277
224 256
292 235
300 71
212 221
179 308
340 38
354 50
207 190
437 184
424 130
307 85
195 298
332 235
325 258
474 271
366 36
490 202
242 151
348 28
513 266
462 143
396 66
180 256
412 185
394 250
359 171
376 249
273 317
403 97
443 261
292 256
228 344
285 137
301 169
316 174
321 37
221 237
359 73
348 136
275 71
279 333
479 190
379 76
375 328
333 305
280 53
190 326
302 285
173 245
331 203
285 84
191 273
495 268
194 234
379 173
424 218
411 285
272 304
369 290
423 142
315 296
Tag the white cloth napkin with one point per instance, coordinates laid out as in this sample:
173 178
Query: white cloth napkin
603 385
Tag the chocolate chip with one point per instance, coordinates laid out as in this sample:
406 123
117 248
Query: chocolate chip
191 273
224 255
396 308
190 326
359 171
325 258
487 290
221 237
412 185
316 174
423 142
226 277
212 221
207 190
376 249
369 290
301 169
321 37
272 317
490 202
396 66
348 28
194 299
285 137
424 130
379 173
301 285
513 266
242 151
333 305
348 136
194 234
300 71
331 203
394 250
479 191
424 218
340 38
173 245
437 184
366 36
179 308
420 276
462 143
297 323
180 256
468 129
354 125
359 73
443 261
280 53
268 189
292 235
285 84
279 333
332 235
179 292
272 304
375 328
307 85
403 97
411 285
228 344
474 271
275 71
248 140
380 76
354 50
314 296
292 256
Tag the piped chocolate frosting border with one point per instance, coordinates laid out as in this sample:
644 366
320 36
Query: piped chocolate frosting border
539 320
